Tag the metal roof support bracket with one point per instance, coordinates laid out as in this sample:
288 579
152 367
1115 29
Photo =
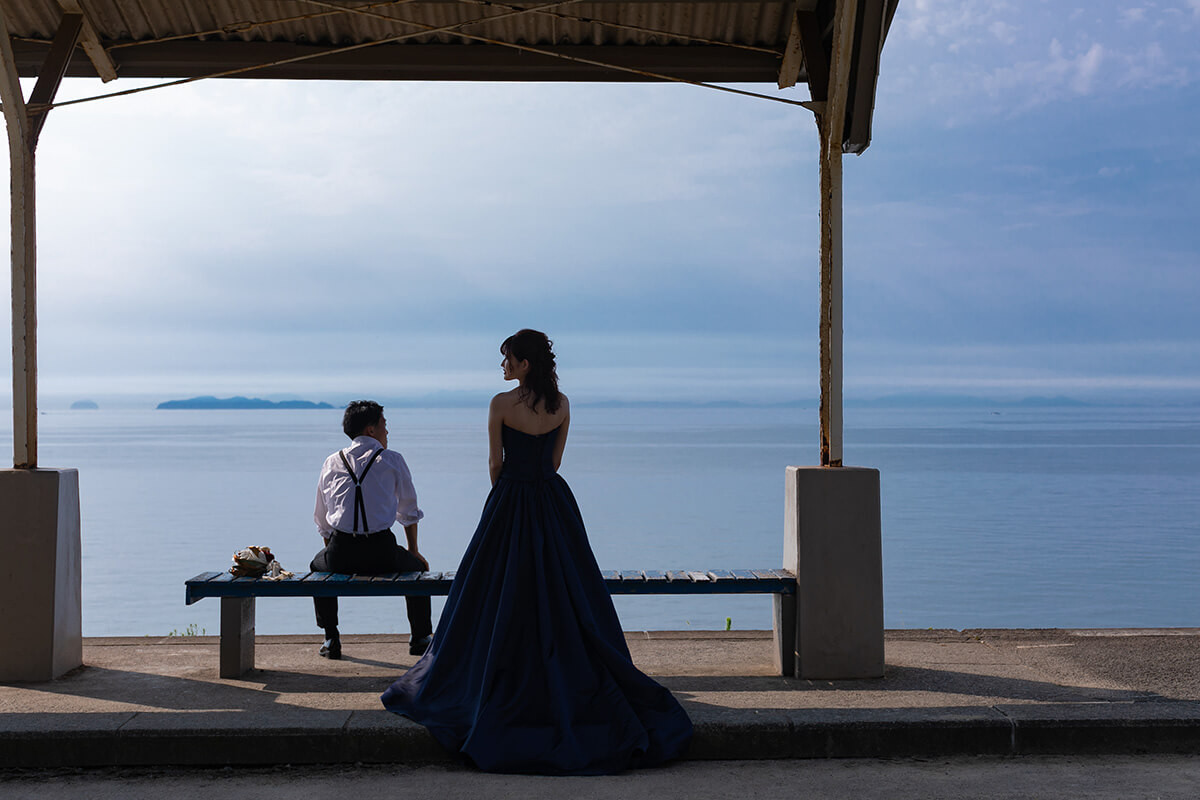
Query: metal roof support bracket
90 42
831 126
793 56
816 60
51 74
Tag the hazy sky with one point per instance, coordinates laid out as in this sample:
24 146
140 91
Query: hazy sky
1025 222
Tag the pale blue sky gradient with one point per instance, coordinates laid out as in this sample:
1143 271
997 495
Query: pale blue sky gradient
1025 222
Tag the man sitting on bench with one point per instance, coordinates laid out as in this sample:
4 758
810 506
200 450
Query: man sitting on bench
361 492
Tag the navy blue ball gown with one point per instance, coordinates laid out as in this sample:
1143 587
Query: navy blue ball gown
528 670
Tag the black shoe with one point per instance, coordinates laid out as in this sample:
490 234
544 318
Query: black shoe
332 649
417 647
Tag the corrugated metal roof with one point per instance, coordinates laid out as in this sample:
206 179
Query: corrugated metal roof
718 41
763 24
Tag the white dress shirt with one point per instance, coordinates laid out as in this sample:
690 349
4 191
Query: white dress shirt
388 492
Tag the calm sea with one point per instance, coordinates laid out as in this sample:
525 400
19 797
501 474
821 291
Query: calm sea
1023 518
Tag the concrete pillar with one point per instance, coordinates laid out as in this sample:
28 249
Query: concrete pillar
41 636
832 542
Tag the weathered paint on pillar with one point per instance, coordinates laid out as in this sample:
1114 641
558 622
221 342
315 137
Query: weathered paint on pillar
831 306
24 311
24 259
831 126
23 130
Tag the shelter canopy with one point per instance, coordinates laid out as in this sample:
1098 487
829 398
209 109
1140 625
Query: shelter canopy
711 41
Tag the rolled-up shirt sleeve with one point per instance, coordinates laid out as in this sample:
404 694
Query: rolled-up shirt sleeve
407 511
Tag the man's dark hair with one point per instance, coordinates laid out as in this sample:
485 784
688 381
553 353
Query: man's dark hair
360 415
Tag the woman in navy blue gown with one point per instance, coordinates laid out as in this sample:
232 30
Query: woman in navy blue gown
528 670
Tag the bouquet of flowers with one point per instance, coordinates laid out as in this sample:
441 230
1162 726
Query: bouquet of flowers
257 562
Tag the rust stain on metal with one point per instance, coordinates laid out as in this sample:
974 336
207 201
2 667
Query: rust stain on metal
826 318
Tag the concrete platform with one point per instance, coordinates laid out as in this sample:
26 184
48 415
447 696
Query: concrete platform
143 701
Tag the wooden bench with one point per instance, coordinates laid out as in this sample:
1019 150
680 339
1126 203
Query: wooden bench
238 595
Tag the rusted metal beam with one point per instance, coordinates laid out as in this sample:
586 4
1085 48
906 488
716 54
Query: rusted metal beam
24 259
89 40
11 96
871 32
51 74
793 59
831 126
426 62
816 59
831 304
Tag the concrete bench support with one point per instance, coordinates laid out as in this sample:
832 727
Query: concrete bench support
42 634
237 636
784 628
832 543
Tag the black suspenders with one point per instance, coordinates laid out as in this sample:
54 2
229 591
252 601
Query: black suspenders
359 508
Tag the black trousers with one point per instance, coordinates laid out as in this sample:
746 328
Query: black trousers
369 554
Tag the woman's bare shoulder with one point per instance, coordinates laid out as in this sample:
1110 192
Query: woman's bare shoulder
504 399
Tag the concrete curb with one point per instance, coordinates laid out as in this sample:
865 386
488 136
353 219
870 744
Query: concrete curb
158 702
340 737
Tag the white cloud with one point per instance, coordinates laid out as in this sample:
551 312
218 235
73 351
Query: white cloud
1033 83
958 61
1086 68
1004 32
1151 67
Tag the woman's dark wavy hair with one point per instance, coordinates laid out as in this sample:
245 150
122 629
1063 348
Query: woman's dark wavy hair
542 381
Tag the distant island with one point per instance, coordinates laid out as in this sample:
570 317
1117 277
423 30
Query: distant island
85 405
208 402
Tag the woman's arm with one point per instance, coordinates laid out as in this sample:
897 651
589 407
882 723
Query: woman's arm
495 443
561 444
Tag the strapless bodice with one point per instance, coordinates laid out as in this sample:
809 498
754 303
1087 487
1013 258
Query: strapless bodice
527 456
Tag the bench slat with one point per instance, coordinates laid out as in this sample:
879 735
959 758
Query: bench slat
326 584
610 575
